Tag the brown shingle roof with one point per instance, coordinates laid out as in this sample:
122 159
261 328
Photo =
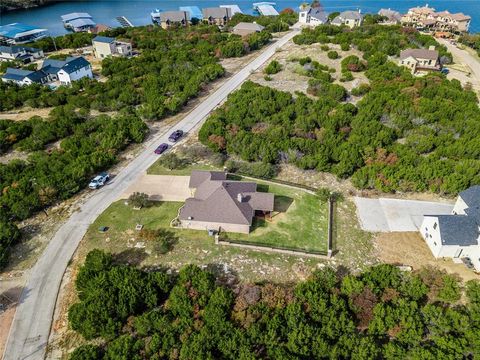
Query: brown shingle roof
224 201
198 176
216 13
419 54
173 16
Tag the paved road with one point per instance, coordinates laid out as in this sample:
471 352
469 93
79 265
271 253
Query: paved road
465 58
31 327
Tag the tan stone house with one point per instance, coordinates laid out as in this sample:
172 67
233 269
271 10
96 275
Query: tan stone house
245 28
217 15
174 18
420 60
106 46
218 204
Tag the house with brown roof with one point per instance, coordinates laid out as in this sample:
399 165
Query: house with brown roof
173 18
420 60
217 15
426 18
245 28
218 204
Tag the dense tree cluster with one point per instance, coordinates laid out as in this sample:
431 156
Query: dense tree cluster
171 68
406 134
380 314
472 40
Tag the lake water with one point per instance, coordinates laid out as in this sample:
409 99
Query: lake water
138 11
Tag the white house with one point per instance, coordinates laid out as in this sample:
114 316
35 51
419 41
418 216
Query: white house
312 16
456 236
24 77
20 53
74 68
348 18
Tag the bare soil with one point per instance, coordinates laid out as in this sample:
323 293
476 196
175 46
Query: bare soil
289 80
408 248
25 113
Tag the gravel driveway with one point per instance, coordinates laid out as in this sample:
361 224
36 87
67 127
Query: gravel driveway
387 215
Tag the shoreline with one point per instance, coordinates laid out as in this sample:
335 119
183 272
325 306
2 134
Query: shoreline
9 6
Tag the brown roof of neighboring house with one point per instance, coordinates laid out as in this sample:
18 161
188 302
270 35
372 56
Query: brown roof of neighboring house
224 201
216 13
198 177
419 54
460 17
99 28
248 26
174 16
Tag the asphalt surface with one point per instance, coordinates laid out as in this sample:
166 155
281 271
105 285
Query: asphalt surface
33 319
465 58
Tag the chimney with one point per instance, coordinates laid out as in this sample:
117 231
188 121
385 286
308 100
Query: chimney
240 197
431 47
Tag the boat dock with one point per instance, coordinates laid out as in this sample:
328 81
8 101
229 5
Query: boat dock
124 22
266 8
78 22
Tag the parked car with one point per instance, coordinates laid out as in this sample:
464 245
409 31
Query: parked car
445 71
161 148
99 180
177 134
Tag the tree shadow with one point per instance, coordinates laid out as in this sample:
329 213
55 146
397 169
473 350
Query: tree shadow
282 203
133 256
12 297
24 249
224 274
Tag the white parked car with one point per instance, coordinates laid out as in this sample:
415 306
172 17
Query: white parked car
99 180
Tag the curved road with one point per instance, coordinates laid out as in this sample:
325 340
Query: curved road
31 326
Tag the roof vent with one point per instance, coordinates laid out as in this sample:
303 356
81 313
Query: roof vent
190 218
431 47
240 197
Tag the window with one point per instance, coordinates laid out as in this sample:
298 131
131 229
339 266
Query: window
435 225
434 243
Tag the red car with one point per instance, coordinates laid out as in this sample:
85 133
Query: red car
161 149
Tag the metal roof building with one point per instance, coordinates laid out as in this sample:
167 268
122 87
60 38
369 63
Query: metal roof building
18 33
266 8
235 9
194 11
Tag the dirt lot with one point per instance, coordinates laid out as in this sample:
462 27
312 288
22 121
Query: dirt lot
408 248
161 187
289 80
25 113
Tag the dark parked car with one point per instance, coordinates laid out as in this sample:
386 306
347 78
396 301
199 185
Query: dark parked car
161 148
177 134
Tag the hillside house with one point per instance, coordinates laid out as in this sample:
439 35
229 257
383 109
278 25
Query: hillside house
24 77
217 15
427 18
348 18
312 16
20 53
174 18
107 46
245 28
218 204
457 235
392 17
420 60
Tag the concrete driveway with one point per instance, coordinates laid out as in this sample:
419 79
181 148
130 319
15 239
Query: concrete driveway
387 215
161 187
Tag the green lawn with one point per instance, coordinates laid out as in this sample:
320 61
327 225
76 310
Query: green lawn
299 221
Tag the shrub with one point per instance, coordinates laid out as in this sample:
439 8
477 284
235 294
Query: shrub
273 68
267 78
333 55
305 60
254 169
9 235
138 199
324 47
345 46
353 63
346 76
362 89
171 161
